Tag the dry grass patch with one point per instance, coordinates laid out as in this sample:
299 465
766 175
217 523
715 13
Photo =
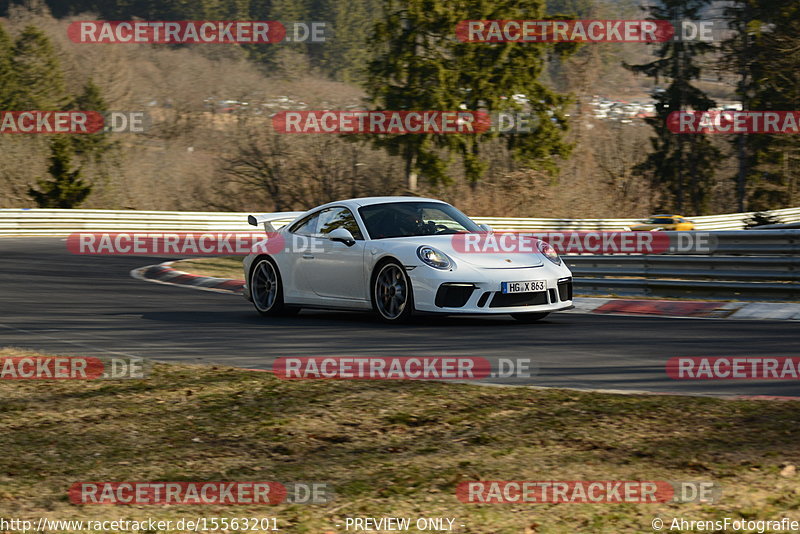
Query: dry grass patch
389 448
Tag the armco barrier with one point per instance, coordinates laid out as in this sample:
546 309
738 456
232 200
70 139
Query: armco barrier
723 290
731 221
756 264
64 222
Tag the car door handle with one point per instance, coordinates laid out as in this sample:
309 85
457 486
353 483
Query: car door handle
308 256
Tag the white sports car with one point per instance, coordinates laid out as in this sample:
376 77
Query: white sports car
396 256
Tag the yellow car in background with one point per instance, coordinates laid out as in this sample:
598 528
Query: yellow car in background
671 223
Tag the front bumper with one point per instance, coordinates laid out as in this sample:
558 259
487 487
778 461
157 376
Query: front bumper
478 291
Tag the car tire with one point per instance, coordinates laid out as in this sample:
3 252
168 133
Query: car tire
392 293
266 289
528 318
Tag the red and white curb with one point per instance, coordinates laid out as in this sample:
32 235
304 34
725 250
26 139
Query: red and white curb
163 273
773 311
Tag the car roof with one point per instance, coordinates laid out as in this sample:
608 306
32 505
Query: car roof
368 201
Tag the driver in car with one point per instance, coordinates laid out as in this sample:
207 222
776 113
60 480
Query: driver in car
403 222
411 223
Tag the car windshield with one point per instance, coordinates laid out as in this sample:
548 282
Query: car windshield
660 220
409 219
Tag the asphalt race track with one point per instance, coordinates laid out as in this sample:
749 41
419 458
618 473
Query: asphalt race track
53 301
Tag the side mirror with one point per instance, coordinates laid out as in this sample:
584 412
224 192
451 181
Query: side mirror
342 235
486 228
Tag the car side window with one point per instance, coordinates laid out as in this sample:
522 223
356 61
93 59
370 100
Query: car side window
307 226
333 218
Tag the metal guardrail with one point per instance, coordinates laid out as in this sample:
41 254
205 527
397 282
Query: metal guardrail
731 221
687 267
757 242
64 222
763 265
727 290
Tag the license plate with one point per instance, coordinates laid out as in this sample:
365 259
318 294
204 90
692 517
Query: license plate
531 286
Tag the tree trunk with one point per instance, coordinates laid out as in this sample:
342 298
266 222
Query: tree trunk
411 173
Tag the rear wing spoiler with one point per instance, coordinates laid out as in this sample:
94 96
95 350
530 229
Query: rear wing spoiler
268 218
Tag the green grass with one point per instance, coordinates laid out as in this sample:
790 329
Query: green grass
389 448
221 267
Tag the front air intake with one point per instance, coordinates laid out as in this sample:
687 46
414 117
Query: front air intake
453 295
518 299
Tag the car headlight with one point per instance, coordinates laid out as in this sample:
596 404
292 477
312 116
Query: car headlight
432 257
549 252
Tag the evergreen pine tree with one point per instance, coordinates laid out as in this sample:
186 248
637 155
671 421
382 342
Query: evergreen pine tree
683 164
38 73
763 53
8 81
65 188
419 65
90 145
